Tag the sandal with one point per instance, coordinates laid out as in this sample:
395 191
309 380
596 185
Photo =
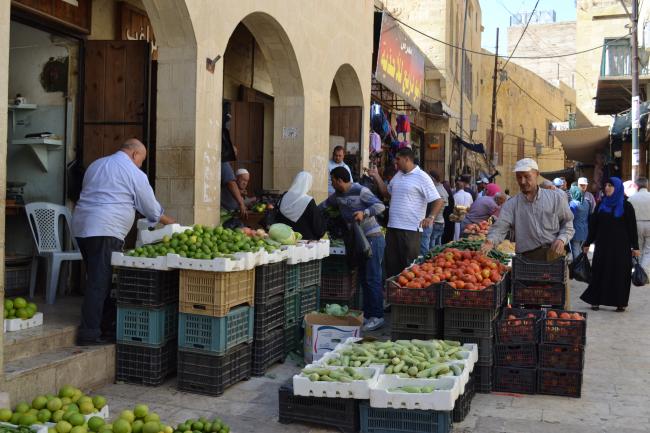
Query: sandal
595 307
620 309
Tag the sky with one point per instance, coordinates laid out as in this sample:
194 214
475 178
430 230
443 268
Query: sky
496 13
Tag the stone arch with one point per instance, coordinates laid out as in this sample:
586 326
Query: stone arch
288 93
348 86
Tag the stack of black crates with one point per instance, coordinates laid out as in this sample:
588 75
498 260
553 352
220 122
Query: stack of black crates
415 313
340 282
147 317
301 297
469 317
215 330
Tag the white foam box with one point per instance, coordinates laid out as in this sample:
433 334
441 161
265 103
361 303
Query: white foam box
442 398
297 254
12 325
103 413
239 262
158 263
277 256
37 428
146 237
323 333
357 389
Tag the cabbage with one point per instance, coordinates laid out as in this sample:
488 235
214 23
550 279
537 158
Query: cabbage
284 234
336 310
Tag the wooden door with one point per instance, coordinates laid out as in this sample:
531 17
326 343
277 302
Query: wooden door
346 122
434 153
247 134
116 97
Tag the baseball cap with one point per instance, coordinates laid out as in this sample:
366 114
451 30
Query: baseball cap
583 181
558 182
526 164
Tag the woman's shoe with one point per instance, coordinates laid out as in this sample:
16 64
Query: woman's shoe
595 307
620 309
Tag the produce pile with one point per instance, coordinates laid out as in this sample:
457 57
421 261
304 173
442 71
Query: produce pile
468 245
138 420
208 243
469 270
480 229
67 409
338 310
459 213
345 375
506 247
202 425
406 358
19 308
260 207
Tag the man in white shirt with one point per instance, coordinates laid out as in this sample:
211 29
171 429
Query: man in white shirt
641 203
432 236
461 198
414 204
338 154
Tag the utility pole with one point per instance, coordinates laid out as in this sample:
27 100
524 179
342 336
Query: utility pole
635 90
494 98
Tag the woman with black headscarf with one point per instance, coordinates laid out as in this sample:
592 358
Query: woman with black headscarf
448 234
612 230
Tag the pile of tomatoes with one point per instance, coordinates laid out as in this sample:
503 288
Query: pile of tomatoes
468 270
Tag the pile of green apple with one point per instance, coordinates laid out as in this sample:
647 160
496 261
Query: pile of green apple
67 408
206 243
19 308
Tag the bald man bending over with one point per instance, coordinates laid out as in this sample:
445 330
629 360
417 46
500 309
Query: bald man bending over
114 187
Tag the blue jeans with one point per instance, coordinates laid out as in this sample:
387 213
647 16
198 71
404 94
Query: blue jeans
431 237
576 248
372 279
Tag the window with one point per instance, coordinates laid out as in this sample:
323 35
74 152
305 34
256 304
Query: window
521 148
549 134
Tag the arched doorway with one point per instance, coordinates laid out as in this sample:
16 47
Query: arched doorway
346 117
263 92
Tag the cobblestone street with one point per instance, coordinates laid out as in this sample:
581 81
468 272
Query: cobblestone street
615 396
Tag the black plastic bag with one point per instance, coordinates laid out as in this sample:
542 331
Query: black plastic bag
639 277
361 241
581 268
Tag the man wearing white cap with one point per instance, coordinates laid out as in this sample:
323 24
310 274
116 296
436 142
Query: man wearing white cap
583 183
540 218
242 178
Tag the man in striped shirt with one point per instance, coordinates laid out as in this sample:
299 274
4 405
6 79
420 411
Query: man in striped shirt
414 205
358 203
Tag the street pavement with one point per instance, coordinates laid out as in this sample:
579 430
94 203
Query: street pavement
615 391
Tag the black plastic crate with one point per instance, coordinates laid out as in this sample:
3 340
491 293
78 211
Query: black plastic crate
485 345
292 309
340 413
146 287
483 377
522 355
270 281
469 321
309 300
336 265
310 273
464 401
292 280
559 382
401 295
561 356
267 351
386 420
559 330
339 286
491 297
417 319
530 270
539 293
524 328
402 335
269 315
517 380
292 339
144 365
202 373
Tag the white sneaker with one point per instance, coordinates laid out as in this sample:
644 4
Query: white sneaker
373 323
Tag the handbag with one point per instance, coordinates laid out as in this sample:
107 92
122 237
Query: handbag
580 269
639 276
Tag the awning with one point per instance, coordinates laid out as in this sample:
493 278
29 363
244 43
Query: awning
582 144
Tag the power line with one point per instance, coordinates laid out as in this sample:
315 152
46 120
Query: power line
530 18
481 53
533 99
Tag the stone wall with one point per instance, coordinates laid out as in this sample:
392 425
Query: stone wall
5 13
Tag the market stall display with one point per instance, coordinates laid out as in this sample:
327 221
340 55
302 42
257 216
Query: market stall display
20 314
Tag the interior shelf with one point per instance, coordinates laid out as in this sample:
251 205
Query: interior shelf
40 147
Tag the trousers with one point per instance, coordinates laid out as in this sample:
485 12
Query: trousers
98 311
643 228
372 279
402 247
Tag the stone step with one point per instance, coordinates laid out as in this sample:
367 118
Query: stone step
84 367
34 341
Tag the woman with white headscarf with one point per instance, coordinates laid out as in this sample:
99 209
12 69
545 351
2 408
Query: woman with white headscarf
299 211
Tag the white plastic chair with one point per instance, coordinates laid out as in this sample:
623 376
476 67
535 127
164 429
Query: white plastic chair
44 220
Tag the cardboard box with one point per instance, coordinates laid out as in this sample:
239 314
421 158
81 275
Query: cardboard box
323 332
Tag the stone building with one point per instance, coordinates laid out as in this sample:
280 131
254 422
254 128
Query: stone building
163 71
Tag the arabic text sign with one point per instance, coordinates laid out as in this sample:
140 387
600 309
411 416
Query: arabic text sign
400 63
135 26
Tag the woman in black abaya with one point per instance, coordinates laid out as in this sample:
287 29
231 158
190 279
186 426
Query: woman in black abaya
612 230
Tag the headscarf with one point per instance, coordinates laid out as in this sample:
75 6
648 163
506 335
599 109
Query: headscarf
491 189
576 193
614 202
295 201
